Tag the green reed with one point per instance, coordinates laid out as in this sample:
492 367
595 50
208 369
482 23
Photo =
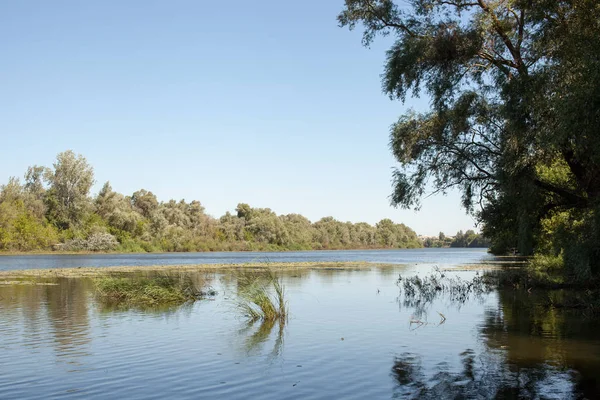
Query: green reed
262 296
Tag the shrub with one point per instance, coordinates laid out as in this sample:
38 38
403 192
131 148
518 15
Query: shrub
94 242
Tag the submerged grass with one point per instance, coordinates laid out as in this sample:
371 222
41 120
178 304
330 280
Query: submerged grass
262 296
542 280
426 289
150 291
81 272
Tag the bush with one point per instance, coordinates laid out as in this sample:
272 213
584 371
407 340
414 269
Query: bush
94 242
547 263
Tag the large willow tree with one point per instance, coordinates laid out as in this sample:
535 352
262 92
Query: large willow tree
515 110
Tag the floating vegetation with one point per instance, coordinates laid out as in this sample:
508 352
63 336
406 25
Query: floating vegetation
262 296
27 281
149 291
82 272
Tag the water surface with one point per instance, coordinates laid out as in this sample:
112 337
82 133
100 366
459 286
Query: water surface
401 256
351 334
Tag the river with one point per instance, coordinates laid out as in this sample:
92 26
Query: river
351 334
410 256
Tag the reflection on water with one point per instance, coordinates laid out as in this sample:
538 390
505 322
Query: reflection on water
257 334
542 339
487 377
419 292
67 308
55 315
531 350
346 337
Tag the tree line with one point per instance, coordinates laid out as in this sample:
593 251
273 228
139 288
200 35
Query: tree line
469 239
53 209
514 116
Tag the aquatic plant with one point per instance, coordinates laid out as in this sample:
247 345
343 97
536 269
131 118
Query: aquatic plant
557 292
262 296
426 289
156 290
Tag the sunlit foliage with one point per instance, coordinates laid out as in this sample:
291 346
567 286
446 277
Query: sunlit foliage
54 210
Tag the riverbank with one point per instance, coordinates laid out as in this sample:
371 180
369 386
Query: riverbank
245 250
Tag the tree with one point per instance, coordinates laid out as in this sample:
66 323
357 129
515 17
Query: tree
35 192
20 228
70 182
299 230
116 210
145 202
326 232
53 206
231 227
262 225
34 180
515 100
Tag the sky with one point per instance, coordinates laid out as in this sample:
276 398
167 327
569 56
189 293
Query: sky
266 102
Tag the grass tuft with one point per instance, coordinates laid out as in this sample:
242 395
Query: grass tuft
262 297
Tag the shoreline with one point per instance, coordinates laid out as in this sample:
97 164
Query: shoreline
104 253
84 272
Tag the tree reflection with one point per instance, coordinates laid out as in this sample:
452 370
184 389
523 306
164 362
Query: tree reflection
481 377
532 349
54 312
68 314
533 335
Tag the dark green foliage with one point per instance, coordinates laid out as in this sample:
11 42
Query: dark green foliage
466 239
33 217
514 116
469 239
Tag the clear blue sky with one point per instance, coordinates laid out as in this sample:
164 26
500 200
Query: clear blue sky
264 102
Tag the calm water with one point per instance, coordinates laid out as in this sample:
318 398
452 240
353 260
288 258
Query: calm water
437 256
349 336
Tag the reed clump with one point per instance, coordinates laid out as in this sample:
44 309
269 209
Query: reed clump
426 289
149 291
262 297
